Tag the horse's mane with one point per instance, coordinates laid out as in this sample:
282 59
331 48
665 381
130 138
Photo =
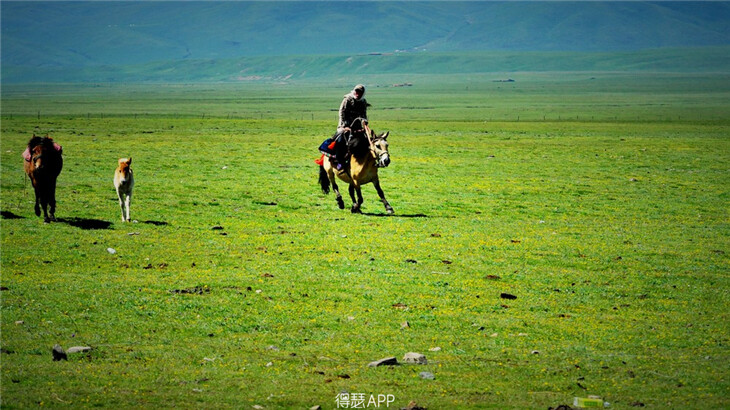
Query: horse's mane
359 144
46 142
35 141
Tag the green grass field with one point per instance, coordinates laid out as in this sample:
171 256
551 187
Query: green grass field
242 285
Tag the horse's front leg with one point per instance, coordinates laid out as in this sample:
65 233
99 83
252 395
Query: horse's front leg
120 195
127 203
42 196
52 199
37 207
355 203
388 208
44 205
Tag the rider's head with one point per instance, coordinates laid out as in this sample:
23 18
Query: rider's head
359 90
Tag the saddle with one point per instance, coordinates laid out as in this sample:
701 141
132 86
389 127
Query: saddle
340 147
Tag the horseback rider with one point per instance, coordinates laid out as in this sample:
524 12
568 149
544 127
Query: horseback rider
353 108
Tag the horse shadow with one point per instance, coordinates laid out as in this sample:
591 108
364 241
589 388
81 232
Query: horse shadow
395 215
86 224
156 223
89 224
10 215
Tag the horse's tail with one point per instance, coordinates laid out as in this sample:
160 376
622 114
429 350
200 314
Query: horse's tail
324 181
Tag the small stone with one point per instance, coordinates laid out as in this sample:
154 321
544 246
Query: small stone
59 354
535 352
435 349
257 407
19 322
269 364
78 349
272 347
111 251
426 375
388 361
405 325
317 407
415 358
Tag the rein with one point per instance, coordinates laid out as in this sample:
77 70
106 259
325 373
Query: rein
369 133
373 149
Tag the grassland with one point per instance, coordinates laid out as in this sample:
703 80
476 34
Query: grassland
241 284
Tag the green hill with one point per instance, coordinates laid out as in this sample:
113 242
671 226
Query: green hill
86 41
294 68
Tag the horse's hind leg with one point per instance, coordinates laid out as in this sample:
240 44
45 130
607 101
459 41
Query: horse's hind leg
388 208
330 175
340 202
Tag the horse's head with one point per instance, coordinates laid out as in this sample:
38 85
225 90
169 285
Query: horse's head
41 151
380 149
125 167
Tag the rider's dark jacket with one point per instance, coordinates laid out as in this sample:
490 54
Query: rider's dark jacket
350 109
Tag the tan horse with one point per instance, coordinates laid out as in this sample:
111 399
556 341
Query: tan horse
369 152
123 183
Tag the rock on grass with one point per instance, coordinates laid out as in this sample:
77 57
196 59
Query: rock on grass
415 358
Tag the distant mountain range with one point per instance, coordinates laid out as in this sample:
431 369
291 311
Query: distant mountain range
78 41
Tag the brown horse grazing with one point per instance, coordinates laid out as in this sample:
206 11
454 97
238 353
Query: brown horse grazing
369 152
43 164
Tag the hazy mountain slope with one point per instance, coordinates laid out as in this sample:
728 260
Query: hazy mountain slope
95 33
159 41
277 68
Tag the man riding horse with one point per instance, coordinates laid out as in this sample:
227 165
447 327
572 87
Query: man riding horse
353 118
354 154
